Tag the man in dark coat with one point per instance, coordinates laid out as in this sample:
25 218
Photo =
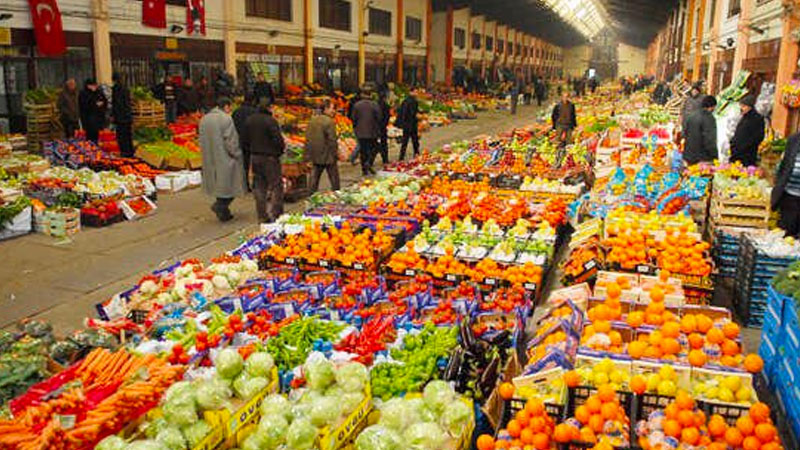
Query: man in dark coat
786 193
539 90
408 121
692 103
564 118
93 106
188 99
68 108
205 94
263 139
701 134
322 147
366 125
749 134
165 93
383 139
122 113
263 89
240 117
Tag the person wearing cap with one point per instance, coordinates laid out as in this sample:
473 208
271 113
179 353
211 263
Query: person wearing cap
122 113
749 133
786 193
701 133
692 102
264 142
223 169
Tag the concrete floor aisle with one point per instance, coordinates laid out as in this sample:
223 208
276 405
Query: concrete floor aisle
61 280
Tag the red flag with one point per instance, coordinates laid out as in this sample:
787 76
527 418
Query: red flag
47 27
154 13
196 16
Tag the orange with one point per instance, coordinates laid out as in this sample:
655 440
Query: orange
759 412
593 404
765 432
715 336
506 391
513 428
671 411
602 326
656 294
582 414
699 419
670 346
635 319
730 347
717 446
587 435
704 323
717 426
751 443
671 329
563 433
686 418
696 341
638 384
690 435
636 349
614 290
609 411
697 358
541 441
535 407
688 324
731 330
596 423
606 394
537 424
753 363
771 446
733 437
672 428
615 337
572 379
655 338
501 444
684 401
526 436
523 417
485 442
653 352
746 425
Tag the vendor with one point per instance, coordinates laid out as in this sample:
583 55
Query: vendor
701 134
564 118
749 134
786 193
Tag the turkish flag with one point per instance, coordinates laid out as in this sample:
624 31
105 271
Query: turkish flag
154 13
196 16
47 27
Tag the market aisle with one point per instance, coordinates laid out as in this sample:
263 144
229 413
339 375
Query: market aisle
61 281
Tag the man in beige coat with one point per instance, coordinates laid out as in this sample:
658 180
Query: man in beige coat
223 167
322 147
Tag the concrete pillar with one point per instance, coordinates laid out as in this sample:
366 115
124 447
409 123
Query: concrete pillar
308 43
448 44
505 48
742 35
698 47
468 37
101 36
362 42
401 35
787 66
483 49
428 41
689 34
230 37
716 21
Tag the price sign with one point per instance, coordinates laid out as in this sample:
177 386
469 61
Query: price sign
490 281
410 272
590 265
643 269
358 266
450 277
290 261
324 263
530 286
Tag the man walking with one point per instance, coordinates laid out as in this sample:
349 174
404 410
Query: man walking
701 134
407 121
122 113
749 133
564 118
322 147
223 171
386 115
240 117
68 108
366 125
93 105
263 139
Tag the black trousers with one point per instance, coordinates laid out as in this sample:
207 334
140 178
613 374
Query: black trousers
246 163
368 149
92 132
413 136
267 187
790 214
333 176
125 139
69 127
383 146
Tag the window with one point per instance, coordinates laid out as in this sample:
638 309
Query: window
489 43
270 9
380 22
413 28
734 7
518 49
501 46
510 48
476 41
460 38
334 14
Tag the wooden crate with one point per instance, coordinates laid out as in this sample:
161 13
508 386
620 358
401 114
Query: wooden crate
148 114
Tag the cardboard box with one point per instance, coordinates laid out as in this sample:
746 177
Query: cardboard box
172 182
152 159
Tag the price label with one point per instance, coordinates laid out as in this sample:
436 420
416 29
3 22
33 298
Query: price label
450 277
490 281
66 422
643 269
410 272
324 263
517 177
288 309
590 265
358 266
472 174
530 286
290 261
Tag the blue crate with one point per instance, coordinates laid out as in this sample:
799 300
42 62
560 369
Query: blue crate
778 301
768 351
790 331
772 321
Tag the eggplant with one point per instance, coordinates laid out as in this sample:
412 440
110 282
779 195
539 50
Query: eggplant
489 376
454 365
467 336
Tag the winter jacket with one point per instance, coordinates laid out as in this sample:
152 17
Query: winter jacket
223 167
121 105
407 114
263 89
748 136
68 105
93 106
785 170
321 145
691 106
366 119
240 117
701 137
262 135
571 120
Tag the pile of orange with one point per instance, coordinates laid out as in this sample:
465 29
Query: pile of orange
628 247
409 259
682 422
531 428
682 253
575 264
600 417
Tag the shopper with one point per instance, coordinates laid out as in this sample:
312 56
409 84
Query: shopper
593 83
205 94
408 121
263 89
67 104
165 93
701 134
786 193
564 118
749 133
93 106
351 104
188 99
692 103
515 91
386 115
240 117
265 142
223 171
366 125
539 88
322 147
122 115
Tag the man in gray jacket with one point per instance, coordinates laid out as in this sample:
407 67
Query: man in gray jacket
223 170
322 147
366 125
701 134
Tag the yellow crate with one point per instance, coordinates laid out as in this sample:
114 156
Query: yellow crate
212 441
343 435
235 422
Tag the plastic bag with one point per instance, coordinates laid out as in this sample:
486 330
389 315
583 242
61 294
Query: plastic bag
325 411
378 437
182 392
456 417
180 413
145 445
229 363
301 435
397 414
438 395
350 401
112 443
259 364
276 404
319 373
196 432
352 377
274 429
425 436
256 441
212 394
247 387
171 438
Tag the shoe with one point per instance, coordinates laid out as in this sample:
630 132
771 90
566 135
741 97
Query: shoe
372 171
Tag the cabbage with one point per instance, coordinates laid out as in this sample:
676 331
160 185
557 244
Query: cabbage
438 395
145 445
274 429
425 436
276 404
352 377
350 401
259 364
456 417
182 392
377 437
256 441
153 428
171 438
196 432
229 363
247 387
325 411
179 414
397 414
212 394
301 435
319 373
421 412
112 443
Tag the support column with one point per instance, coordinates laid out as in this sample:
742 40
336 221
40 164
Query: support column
401 34
698 47
505 48
468 38
689 34
711 79
362 43
428 28
787 66
101 36
230 38
308 43
483 50
448 46
742 35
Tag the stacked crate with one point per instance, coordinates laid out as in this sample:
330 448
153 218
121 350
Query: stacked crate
738 212
754 271
42 124
148 114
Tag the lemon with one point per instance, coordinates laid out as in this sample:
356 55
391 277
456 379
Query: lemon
725 394
744 394
732 382
712 393
668 388
600 379
617 376
667 373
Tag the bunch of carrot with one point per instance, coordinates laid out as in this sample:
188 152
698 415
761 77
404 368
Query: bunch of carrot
116 388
